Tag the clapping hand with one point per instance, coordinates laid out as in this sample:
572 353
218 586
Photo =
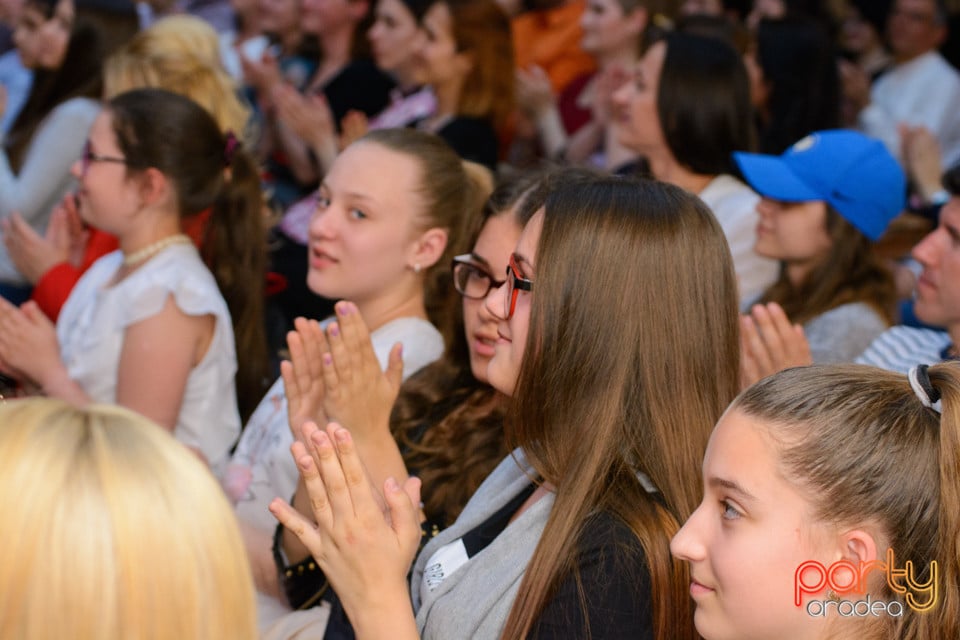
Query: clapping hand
769 342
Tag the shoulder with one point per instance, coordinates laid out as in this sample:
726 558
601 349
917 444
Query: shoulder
77 108
725 191
901 347
608 592
422 343
856 313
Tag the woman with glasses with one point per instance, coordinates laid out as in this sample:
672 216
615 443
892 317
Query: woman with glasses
146 326
391 213
614 387
447 419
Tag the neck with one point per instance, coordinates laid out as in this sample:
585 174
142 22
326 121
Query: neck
624 58
448 97
402 302
797 272
336 47
903 58
404 77
953 331
666 169
137 239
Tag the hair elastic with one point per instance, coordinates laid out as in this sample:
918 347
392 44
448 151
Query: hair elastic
230 148
920 382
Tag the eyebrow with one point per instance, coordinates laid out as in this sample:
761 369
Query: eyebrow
353 195
952 231
479 258
519 258
731 486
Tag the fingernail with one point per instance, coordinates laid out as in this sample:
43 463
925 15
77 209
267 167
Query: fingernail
342 435
327 359
392 485
334 330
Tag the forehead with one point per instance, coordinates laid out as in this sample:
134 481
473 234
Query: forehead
530 237
376 171
741 450
926 6
438 17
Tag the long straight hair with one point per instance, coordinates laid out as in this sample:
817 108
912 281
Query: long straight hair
631 358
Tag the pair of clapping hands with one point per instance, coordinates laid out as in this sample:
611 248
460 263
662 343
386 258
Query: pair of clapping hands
363 540
769 342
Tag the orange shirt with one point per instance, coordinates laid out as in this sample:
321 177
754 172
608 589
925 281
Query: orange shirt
551 40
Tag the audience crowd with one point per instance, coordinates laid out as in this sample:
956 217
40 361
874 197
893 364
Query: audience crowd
480 319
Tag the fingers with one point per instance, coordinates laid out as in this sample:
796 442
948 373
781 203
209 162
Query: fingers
292 391
754 346
363 502
394 370
403 504
300 526
331 475
356 339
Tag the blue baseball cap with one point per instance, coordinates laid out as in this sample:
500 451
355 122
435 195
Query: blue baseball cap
854 174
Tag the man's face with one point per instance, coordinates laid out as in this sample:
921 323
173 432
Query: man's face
938 289
914 28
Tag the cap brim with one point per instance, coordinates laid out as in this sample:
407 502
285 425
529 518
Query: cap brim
771 177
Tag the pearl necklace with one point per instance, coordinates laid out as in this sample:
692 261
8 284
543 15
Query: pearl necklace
153 249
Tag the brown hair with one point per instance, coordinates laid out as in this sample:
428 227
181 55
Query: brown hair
164 130
482 29
852 272
862 447
632 356
449 424
453 192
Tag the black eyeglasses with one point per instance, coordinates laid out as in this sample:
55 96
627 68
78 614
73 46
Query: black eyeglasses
89 157
515 284
470 280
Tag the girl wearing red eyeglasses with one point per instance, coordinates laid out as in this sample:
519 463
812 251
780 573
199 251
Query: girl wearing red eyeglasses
618 344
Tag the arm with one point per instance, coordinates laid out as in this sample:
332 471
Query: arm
56 145
365 551
157 356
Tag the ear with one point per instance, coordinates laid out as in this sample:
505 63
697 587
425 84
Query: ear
859 546
428 248
464 62
358 9
637 19
154 186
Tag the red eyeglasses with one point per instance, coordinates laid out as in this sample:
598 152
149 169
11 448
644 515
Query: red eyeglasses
515 284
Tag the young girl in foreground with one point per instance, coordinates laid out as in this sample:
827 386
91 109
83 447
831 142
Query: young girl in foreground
813 474
567 536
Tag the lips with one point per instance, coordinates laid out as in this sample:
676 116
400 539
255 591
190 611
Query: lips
925 282
698 589
320 259
484 345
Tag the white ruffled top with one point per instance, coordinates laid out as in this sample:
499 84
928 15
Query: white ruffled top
94 319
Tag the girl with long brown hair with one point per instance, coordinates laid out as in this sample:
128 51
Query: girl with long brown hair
825 201
568 536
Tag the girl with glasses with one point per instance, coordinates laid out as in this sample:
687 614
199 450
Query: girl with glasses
146 326
447 419
615 381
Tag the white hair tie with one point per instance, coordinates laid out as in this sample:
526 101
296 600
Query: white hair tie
921 385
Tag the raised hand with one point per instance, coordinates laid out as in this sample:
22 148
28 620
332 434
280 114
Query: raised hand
769 342
28 344
358 394
303 375
365 550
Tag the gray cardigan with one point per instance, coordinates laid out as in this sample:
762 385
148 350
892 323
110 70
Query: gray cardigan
476 599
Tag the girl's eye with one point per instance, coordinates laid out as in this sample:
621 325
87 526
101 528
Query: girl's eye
356 214
728 511
322 201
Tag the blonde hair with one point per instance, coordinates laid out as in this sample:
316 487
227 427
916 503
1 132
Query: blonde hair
180 54
113 530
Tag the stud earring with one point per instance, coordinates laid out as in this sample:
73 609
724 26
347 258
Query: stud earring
416 268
